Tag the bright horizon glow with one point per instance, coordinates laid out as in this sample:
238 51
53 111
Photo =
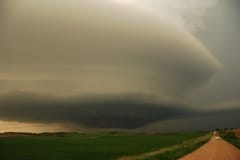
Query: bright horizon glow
11 126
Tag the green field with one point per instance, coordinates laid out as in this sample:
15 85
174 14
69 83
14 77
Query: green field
102 146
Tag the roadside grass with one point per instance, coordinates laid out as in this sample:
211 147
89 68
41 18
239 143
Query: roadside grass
235 142
180 152
171 153
230 137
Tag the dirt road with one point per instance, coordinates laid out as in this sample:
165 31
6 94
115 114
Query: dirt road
215 150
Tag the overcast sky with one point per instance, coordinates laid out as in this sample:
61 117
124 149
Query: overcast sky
128 64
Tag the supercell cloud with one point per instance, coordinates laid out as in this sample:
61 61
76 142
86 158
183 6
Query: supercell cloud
126 112
83 48
100 47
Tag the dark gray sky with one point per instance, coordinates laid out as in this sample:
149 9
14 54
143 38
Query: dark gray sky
129 64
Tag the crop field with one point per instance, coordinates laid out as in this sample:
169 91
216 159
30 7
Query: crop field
102 146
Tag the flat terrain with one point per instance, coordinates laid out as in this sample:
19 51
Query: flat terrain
103 146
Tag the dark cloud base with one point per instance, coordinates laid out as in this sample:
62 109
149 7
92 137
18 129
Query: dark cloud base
109 113
126 113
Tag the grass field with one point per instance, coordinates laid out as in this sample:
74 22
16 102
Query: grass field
103 146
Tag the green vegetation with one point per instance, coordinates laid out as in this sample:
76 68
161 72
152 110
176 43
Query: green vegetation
104 146
231 137
173 152
235 142
181 151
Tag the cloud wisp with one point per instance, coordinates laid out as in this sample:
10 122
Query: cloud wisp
186 14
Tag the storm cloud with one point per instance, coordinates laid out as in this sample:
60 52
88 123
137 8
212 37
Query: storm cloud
128 64
126 112
98 47
122 112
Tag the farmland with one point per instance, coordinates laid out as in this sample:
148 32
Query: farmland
101 146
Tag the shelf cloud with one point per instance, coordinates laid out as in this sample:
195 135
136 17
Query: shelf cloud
133 112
